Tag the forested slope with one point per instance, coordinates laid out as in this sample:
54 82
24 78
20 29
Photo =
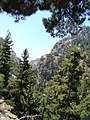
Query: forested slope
59 87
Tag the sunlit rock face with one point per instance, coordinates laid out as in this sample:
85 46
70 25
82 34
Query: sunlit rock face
5 113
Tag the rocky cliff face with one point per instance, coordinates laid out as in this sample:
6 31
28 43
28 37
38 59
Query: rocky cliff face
5 113
82 39
49 64
34 63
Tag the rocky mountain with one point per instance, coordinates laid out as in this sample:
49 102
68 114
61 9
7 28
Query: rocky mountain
48 64
82 39
14 58
1 40
34 63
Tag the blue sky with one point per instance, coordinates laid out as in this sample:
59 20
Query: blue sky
29 33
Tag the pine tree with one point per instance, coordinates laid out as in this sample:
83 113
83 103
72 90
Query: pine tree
24 99
84 107
5 58
23 71
61 94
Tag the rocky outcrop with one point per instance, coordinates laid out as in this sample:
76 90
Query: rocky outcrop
34 63
5 113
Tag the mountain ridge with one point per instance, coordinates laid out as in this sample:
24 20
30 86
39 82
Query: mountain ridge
48 64
69 40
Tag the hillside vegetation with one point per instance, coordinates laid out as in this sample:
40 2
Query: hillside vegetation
57 88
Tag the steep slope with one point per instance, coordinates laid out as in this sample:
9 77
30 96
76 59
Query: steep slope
50 63
15 59
82 39
34 63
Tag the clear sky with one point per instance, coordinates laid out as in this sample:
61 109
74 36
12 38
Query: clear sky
29 33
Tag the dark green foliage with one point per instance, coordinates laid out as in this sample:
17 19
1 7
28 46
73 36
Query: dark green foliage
84 107
5 58
66 96
1 84
23 88
14 91
23 71
67 16
85 84
61 94
84 92
19 8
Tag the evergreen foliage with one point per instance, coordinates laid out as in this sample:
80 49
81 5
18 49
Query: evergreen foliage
65 97
67 16
22 88
23 71
84 93
5 63
5 59
61 94
1 84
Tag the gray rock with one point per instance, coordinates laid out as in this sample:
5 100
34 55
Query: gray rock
5 113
